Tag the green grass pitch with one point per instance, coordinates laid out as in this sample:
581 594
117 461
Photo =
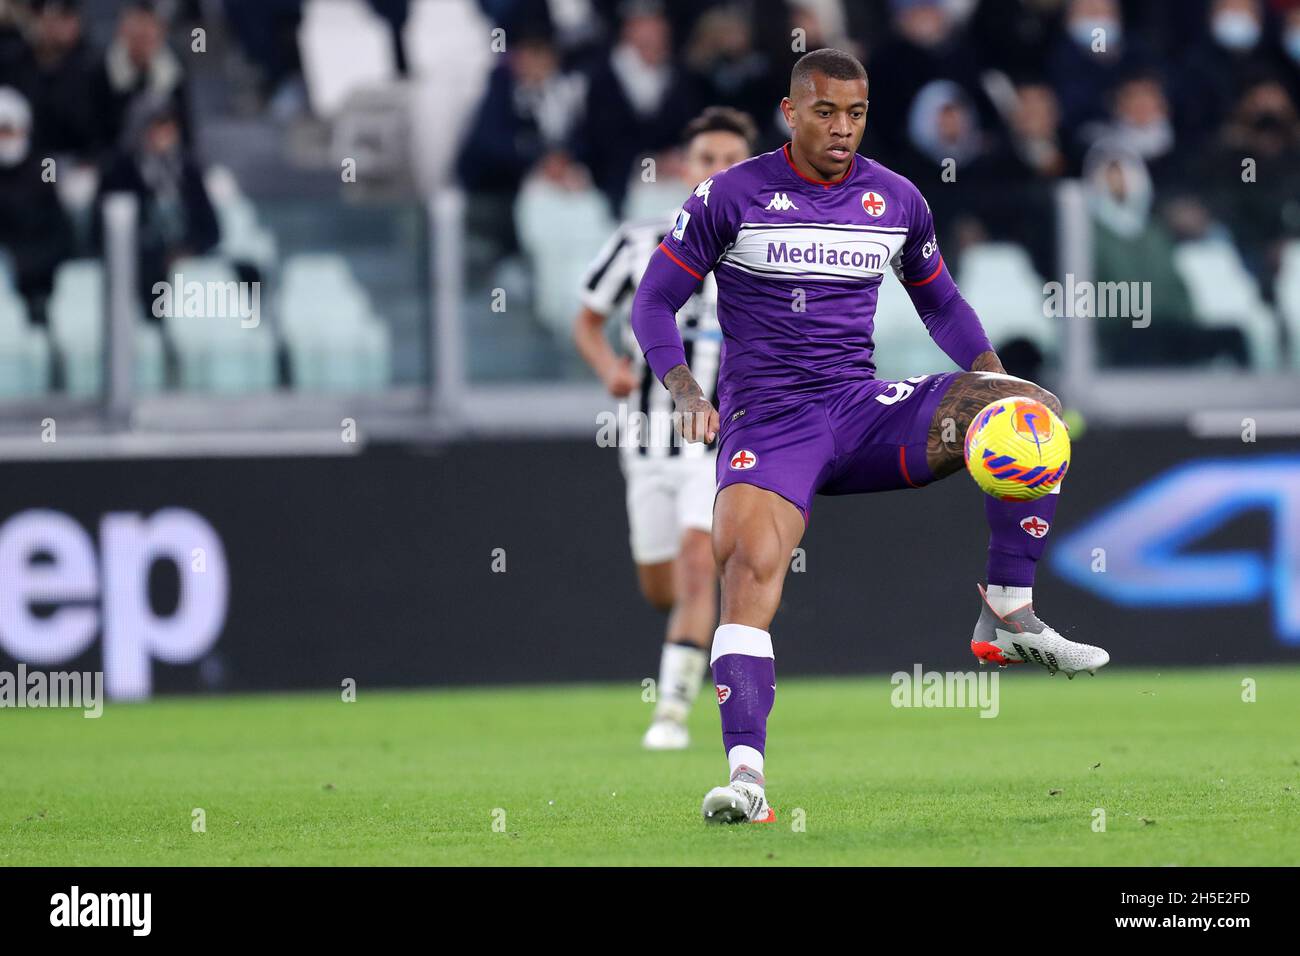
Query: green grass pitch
1186 772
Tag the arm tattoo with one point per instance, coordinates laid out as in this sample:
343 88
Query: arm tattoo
681 384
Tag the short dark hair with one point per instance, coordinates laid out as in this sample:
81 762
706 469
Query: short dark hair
722 119
836 64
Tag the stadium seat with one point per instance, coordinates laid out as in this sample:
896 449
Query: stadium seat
76 317
1288 296
352 358
374 130
1223 292
543 212
333 338
219 352
243 237
443 34
24 349
344 45
319 290
448 56
999 282
150 374
77 186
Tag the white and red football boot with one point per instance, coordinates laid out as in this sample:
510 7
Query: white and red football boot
741 801
1020 637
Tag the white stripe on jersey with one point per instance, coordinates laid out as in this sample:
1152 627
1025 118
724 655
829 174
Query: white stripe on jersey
608 287
826 253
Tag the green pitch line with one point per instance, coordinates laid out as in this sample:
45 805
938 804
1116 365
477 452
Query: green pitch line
1186 772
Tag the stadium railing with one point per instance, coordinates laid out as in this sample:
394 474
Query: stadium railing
406 321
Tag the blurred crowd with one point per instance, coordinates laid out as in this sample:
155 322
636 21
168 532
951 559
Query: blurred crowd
1156 103
113 119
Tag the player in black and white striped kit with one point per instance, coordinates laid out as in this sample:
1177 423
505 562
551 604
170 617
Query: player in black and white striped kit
670 483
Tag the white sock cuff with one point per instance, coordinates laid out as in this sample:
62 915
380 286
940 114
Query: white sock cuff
742 756
740 639
1003 599
1004 590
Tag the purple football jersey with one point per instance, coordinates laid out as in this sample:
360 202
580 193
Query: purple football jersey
799 264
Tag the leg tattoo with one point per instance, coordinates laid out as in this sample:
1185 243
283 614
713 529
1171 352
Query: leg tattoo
969 393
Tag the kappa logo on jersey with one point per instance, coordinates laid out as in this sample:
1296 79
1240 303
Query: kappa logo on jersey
1034 526
930 248
702 190
743 460
873 203
679 228
724 692
781 203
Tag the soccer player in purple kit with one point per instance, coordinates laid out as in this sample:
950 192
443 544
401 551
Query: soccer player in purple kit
799 240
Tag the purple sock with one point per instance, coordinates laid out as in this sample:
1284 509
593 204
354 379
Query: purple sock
1017 536
744 674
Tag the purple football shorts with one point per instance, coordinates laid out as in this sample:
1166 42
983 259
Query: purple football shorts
866 436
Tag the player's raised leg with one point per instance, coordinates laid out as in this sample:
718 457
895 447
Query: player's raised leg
754 532
1008 631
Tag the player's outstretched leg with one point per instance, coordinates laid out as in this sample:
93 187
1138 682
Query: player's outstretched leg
754 532
1008 631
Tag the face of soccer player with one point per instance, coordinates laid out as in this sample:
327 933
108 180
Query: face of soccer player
826 119
708 154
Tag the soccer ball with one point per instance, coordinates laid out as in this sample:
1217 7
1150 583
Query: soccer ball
1017 449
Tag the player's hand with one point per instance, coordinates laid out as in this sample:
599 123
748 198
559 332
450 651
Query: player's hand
619 378
697 419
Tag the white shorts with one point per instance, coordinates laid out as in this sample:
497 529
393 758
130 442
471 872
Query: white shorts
665 497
